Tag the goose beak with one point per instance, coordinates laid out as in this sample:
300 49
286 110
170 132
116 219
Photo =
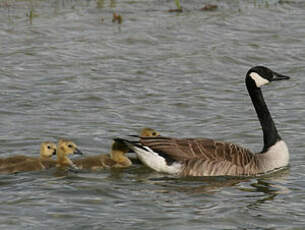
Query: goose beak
77 152
278 77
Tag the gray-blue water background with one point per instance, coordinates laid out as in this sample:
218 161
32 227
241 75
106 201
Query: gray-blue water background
68 71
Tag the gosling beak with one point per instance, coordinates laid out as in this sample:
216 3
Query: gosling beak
278 77
54 152
77 152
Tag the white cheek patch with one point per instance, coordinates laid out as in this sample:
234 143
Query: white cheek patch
259 81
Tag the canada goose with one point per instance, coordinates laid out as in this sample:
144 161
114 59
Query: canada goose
47 150
116 159
64 149
206 157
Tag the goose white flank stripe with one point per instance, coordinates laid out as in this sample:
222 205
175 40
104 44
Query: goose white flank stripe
154 160
207 157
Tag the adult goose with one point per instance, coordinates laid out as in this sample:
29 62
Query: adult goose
47 150
206 157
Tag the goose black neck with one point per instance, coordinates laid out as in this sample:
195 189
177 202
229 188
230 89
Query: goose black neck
270 133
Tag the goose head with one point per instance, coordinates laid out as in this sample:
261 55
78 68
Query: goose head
47 149
148 132
260 75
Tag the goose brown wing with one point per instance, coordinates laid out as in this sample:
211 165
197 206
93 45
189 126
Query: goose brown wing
201 148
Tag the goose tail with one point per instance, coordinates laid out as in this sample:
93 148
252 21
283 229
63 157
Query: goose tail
153 159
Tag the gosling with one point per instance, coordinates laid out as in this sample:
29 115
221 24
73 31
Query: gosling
64 149
148 132
115 159
47 150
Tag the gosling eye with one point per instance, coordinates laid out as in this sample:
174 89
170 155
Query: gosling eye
70 146
154 134
49 147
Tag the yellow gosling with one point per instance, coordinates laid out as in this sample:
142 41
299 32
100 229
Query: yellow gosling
116 159
148 132
64 149
47 150
117 154
145 132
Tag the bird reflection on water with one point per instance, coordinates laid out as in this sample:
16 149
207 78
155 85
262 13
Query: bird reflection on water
269 185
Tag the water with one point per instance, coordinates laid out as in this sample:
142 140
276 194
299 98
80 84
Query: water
67 71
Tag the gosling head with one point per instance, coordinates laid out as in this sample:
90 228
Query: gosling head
148 132
66 148
260 75
117 153
119 147
47 149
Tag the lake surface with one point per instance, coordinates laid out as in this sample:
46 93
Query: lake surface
68 71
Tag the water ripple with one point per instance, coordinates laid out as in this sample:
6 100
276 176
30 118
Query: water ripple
70 72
